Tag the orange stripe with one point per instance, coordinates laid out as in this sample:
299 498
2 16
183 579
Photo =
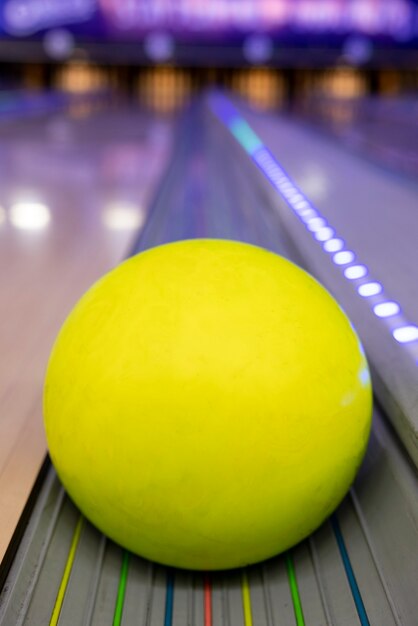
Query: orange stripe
208 601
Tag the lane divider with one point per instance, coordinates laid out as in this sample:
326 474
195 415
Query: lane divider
67 572
384 308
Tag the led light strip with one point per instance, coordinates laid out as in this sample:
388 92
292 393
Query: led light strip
321 231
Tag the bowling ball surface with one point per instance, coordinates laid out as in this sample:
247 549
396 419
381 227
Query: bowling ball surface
207 404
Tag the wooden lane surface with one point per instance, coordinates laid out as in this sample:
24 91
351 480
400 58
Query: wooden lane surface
93 177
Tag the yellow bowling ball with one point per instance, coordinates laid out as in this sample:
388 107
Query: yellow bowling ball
207 404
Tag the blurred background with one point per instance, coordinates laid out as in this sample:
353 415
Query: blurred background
161 52
348 66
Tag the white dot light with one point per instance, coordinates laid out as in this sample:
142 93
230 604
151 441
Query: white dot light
120 216
324 233
355 271
405 334
258 48
316 223
159 46
297 199
343 257
364 376
308 214
386 309
59 43
29 215
334 245
370 289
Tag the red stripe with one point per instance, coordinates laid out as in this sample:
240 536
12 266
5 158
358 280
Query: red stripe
208 601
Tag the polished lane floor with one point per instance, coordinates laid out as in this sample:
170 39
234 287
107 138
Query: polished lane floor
74 187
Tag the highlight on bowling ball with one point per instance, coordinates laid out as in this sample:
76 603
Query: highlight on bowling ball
207 404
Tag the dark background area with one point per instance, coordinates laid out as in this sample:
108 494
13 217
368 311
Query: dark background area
161 52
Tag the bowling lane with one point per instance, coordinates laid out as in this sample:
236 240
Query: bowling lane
368 216
73 193
358 568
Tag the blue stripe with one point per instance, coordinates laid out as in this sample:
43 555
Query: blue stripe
169 599
364 620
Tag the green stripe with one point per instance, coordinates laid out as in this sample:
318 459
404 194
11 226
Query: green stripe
297 605
121 590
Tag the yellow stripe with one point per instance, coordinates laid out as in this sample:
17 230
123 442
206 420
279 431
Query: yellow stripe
246 600
66 575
